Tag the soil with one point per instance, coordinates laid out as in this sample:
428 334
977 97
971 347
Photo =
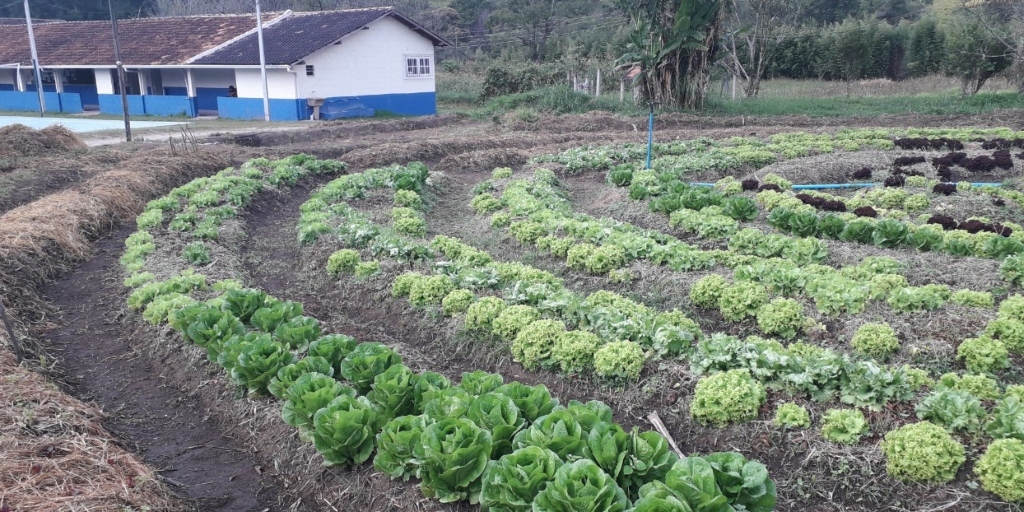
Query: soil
97 360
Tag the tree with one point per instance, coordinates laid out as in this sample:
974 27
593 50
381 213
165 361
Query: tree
1006 26
751 39
534 21
672 44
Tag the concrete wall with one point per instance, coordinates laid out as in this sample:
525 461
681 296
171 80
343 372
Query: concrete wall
252 108
105 81
28 101
280 84
368 62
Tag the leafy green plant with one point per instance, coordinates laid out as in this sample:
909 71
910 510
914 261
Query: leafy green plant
727 397
344 430
1001 469
307 395
925 239
952 409
368 360
1007 419
844 426
707 291
648 458
573 351
453 454
396 445
366 269
889 233
394 391
622 360
244 302
430 290
972 298
740 208
344 260
782 317
533 402
981 386
866 384
457 301
534 341
513 319
744 483
922 452
196 253
269 317
1012 269
499 415
741 300
480 315
287 375
485 204
334 348
511 483
983 354
558 431
259 362
790 415
877 340
581 486
298 332
407 199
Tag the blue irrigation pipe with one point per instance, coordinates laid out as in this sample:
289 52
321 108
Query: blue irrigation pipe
823 186
650 134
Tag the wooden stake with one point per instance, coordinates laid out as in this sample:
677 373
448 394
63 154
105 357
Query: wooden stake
660 427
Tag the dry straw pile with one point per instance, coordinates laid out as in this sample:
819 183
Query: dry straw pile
18 140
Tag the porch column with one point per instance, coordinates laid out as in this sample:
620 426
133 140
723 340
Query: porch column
58 80
190 85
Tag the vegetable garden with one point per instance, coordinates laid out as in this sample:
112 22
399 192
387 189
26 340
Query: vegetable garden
853 348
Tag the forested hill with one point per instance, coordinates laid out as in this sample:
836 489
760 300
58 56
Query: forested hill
78 9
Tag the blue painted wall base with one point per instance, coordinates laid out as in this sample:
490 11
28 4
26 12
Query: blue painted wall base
414 104
252 108
168 106
111 104
28 101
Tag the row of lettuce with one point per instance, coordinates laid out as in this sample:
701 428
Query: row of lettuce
735 371
507 446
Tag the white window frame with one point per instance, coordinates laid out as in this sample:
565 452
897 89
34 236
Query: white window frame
416 69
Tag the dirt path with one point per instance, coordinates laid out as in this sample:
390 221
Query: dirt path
205 461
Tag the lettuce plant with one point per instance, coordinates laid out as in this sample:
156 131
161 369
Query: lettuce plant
620 360
558 431
581 486
1001 469
691 480
394 391
457 301
981 386
952 409
428 383
480 315
396 446
430 290
342 261
366 362
307 395
450 402
877 340
514 319
287 375
259 362
782 317
480 382
533 402
453 453
334 348
922 452
511 483
1007 419
983 354
707 290
344 430
212 326
744 483
608 445
573 351
298 332
791 415
844 426
727 397
648 458
243 303
534 341
499 415
741 300
269 317
866 384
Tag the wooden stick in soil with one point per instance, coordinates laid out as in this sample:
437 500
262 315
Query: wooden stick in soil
10 332
660 427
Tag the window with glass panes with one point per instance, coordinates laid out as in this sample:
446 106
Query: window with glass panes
416 66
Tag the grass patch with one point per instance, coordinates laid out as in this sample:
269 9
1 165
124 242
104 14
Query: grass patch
926 104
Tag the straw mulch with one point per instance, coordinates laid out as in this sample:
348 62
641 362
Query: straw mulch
56 456
18 140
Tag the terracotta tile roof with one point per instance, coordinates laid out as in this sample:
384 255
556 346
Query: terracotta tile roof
144 41
21 21
294 37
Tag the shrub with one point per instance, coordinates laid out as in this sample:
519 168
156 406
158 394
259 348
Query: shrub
875 340
481 314
574 351
844 426
1001 469
533 340
983 354
430 290
727 397
706 291
781 317
619 360
513 319
922 452
741 300
457 301
344 260
790 415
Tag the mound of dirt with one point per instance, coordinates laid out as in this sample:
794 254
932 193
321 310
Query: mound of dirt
18 140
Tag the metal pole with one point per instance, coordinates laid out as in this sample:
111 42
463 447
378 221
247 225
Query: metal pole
35 61
121 80
263 64
650 134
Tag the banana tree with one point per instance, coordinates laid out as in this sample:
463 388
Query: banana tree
672 47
